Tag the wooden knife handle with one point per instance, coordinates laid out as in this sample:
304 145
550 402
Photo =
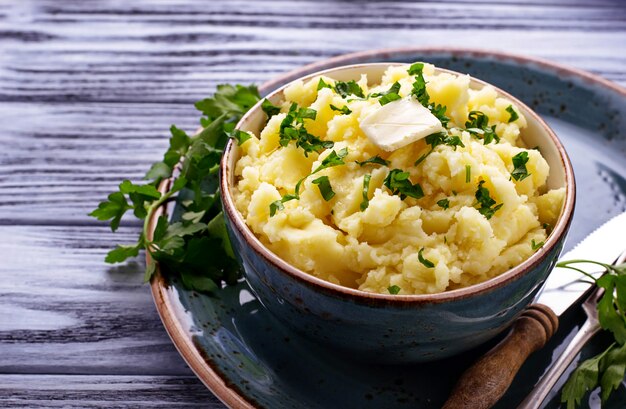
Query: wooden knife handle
484 383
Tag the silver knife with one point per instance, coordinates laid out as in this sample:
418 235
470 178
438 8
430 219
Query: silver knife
484 383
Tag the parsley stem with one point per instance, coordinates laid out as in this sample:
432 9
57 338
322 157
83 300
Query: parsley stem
578 270
153 207
566 263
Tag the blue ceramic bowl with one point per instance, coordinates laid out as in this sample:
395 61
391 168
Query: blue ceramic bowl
396 328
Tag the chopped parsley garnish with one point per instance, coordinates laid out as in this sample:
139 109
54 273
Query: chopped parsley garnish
348 88
344 110
439 138
394 289
292 129
536 246
420 93
387 96
269 108
277 205
333 159
513 115
239 136
398 182
323 183
443 203
426 262
374 160
366 187
478 125
468 173
485 201
519 162
419 85
322 84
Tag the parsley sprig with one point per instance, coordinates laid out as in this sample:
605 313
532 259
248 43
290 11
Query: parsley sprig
182 246
607 369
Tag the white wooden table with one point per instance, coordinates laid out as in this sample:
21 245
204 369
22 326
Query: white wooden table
88 90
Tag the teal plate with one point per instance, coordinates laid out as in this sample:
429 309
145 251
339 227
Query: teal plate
249 360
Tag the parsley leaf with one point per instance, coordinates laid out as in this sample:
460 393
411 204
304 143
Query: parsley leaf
374 160
348 88
276 205
240 136
419 85
113 208
122 252
443 203
583 379
269 108
366 187
323 183
388 96
426 262
398 182
344 110
478 125
232 101
613 368
439 138
485 201
322 84
519 162
394 289
536 246
513 115
333 159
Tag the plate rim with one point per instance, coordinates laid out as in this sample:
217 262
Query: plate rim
210 376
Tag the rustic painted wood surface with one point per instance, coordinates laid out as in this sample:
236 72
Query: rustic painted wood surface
88 90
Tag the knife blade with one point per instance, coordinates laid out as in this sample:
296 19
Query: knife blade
563 287
484 383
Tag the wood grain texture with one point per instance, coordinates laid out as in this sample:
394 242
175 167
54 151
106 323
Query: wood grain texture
96 391
87 93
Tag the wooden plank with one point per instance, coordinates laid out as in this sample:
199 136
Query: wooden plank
94 391
86 51
64 311
59 160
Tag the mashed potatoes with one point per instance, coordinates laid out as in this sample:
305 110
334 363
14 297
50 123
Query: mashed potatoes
443 212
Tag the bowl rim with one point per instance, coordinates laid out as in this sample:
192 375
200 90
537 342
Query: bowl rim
356 295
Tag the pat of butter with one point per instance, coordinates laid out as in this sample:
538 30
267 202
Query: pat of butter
399 123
